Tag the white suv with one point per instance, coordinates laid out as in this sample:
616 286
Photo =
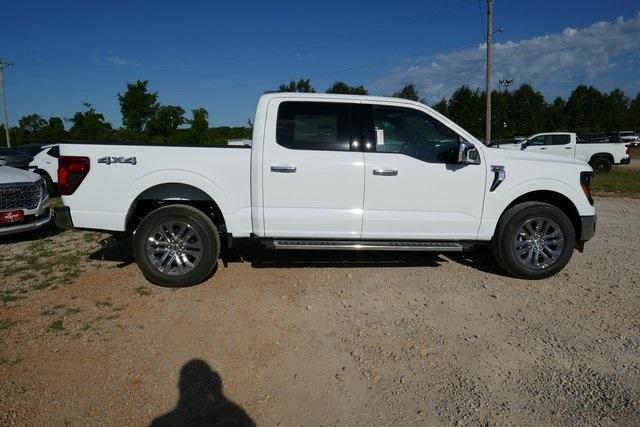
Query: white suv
24 201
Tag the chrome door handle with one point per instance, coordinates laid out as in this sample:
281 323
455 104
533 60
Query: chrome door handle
283 168
385 172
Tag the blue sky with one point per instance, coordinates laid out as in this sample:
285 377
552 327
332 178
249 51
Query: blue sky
223 55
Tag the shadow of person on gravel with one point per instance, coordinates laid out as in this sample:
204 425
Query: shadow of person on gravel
202 402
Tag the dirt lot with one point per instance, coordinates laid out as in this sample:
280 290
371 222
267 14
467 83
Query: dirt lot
331 338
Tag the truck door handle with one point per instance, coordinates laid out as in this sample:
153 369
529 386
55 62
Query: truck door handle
543 148
283 168
568 148
385 172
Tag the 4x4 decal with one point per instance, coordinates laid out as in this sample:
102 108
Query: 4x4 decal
122 160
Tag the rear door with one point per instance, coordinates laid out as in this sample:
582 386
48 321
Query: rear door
313 170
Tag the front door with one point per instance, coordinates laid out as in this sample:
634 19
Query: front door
313 171
414 187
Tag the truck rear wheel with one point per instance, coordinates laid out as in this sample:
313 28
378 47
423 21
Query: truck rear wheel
601 164
533 240
176 245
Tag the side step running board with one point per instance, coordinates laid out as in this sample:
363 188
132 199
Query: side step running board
367 245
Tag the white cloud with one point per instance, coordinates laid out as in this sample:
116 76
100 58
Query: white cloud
553 63
116 60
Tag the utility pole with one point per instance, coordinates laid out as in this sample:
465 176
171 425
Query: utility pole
4 65
487 137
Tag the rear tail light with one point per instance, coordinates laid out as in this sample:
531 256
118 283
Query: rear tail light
71 172
585 183
628 149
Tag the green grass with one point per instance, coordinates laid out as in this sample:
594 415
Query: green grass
56 326
142 291
103 304
621 181
9 296
6 323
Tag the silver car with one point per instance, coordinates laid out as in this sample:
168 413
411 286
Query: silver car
24 201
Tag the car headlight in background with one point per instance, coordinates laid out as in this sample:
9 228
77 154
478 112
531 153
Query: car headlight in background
43 187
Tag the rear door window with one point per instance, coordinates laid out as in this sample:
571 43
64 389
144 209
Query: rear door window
560 139
314 126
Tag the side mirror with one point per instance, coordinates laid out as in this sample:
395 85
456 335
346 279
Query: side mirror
468 154
523 145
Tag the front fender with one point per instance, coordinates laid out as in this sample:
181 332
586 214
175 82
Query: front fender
497 202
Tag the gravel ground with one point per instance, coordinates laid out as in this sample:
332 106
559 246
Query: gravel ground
322 338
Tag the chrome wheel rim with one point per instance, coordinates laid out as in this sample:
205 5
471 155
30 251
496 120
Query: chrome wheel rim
539 243
174 248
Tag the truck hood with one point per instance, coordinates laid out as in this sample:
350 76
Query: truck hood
500 154
9 175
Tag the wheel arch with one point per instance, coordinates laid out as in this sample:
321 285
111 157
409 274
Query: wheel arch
608 156
553 198
43 173
168 193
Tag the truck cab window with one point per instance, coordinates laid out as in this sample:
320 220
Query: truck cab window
537 140
549 140
560 139
313 126
416 134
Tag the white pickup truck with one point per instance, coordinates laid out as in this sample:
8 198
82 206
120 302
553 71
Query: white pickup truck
601 156
331 172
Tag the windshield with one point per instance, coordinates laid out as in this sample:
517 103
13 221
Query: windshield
627 134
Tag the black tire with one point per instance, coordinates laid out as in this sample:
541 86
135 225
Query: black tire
202 227
507 232
601 164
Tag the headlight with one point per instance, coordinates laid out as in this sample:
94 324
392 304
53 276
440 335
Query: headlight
43 186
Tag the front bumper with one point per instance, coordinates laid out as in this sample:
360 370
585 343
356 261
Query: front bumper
588 228
31 222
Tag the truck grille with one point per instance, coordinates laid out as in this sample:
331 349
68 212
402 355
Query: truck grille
20 196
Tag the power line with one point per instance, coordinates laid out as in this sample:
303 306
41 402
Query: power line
270 82
481 19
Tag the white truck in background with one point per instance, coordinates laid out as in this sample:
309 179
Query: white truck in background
45 164
330 172
601 156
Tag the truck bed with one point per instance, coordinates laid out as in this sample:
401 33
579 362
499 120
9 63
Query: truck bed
121 172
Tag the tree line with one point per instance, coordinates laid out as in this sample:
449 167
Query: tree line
523 111
144 119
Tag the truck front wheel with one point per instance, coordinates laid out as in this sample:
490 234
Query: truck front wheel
176 245
533 240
